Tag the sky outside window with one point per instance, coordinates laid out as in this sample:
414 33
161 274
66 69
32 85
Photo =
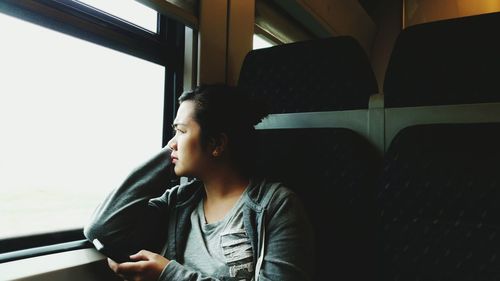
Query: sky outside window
75 118
129 10
260 42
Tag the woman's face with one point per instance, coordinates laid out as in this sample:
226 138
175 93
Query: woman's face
188 156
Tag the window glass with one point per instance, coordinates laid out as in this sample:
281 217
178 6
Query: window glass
129 10
260 42
75 118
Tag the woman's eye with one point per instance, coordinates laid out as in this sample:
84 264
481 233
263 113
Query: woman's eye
176 130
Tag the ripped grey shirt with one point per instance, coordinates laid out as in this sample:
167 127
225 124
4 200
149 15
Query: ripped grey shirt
221 248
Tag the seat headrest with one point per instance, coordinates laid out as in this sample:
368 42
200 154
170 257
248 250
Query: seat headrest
317 75
445 62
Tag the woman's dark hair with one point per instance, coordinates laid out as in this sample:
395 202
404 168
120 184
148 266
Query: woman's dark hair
222 109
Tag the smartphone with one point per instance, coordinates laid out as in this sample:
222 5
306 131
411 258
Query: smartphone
112 253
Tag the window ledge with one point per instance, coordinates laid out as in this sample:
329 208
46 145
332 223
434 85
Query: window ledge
48 266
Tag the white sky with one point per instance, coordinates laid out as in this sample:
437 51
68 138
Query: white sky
128 10
75 117
259 42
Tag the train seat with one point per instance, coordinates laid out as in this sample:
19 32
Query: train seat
445 62
332 167
317 75
439 214
444 72
334 171
321 83
317 142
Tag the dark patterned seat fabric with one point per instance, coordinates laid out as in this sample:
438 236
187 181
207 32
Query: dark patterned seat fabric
334 171
445 62
317 75
440 204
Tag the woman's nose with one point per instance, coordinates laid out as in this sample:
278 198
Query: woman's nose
172 143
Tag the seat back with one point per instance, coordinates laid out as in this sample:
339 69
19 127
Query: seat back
322 83
316 75
317 143
439 214
444 72
334 173
445 62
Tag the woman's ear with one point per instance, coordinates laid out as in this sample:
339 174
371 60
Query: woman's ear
219 145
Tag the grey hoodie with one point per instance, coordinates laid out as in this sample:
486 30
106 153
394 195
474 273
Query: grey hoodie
142 214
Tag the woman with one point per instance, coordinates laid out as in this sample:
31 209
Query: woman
224 225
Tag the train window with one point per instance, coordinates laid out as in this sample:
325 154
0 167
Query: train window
129 10
260 42
75 118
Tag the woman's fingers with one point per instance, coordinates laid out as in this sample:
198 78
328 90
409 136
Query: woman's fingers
145 265
142 255
112 264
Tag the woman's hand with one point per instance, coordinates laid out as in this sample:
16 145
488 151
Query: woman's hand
145 266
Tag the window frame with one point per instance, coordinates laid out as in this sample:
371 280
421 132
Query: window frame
166 48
